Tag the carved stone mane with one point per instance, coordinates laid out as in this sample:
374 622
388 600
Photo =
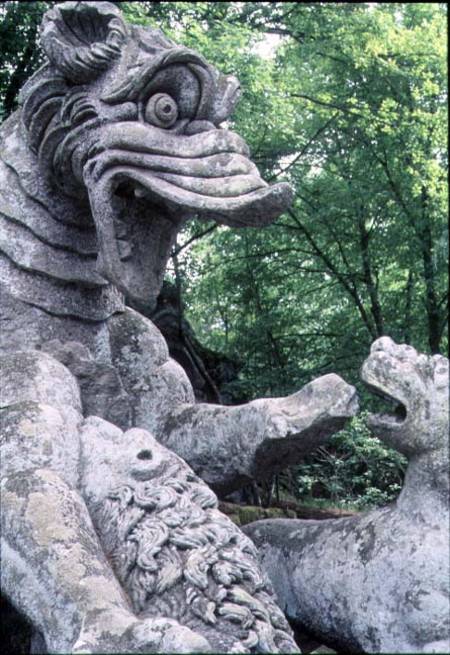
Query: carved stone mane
177 556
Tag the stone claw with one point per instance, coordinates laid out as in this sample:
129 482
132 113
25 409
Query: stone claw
127 634
299 423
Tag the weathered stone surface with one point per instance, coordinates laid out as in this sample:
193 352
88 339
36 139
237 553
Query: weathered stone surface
257 439
154 382
119 139
174 553
115 178
379 582
117 143
226 446
116 182
244 514
101 389
191 576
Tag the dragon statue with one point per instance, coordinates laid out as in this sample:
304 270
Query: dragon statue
379 582
111 540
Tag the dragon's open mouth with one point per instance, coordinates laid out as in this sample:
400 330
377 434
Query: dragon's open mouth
144 185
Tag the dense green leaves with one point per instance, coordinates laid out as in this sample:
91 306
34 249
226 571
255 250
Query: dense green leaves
353 112
353 470
20 55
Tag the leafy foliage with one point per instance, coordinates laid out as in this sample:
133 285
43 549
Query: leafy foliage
355 113
20 54
355 469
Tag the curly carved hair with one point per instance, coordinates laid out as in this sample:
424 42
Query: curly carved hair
177 556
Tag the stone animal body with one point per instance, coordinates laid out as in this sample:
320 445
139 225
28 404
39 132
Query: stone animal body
117 143
191 579
379 582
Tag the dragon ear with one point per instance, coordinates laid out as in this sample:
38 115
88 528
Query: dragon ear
83 38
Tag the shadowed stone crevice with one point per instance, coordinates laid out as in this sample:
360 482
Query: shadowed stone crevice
16 631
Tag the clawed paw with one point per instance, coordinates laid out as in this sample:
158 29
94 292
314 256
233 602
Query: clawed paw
131 635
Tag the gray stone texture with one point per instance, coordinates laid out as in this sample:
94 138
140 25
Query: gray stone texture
379 582
110 543
226 446
96 179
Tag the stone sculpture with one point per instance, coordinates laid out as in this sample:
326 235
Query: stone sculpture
379 582
192 577
116 145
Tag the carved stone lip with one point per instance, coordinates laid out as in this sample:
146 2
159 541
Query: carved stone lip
390 421
206 174
256 205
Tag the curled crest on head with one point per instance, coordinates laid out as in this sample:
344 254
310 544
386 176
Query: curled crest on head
85 40
82 44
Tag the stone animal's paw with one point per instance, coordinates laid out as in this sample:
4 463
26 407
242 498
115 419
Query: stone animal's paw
126 634
324 399
299 423
179 639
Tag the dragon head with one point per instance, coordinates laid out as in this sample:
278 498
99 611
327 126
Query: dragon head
125 120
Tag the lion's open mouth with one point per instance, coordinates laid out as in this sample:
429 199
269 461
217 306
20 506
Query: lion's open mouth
394 418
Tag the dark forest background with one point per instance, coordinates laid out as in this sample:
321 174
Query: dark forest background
347 102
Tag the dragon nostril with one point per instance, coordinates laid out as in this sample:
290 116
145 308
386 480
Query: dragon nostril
145 454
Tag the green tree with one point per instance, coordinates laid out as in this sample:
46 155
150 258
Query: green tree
19 50
353 112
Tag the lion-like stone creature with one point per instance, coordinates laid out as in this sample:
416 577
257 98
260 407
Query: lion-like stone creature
173 574
379 582
116 145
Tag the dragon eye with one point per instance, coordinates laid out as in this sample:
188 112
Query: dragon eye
161 110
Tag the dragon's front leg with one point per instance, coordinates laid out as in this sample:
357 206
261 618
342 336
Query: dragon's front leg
226 446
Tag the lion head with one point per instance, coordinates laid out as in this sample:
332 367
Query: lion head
418 385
